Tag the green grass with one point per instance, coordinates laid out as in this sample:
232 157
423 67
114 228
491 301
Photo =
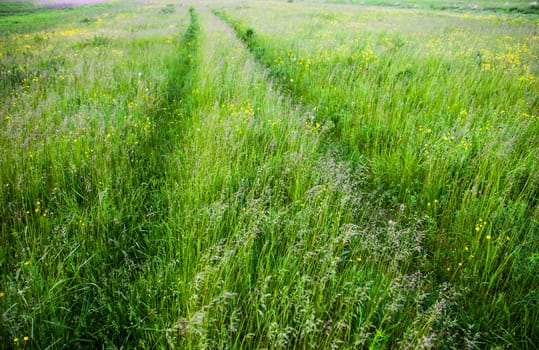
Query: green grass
83 123
428 122
11 8
26 17
301 175
516 7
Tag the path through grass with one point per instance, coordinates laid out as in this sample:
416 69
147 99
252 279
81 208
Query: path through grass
171 182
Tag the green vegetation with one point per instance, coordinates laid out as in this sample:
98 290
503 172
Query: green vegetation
520 7
25 17
444 124
11 8
281 175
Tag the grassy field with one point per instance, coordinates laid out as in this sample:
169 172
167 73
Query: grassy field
269 174
518 7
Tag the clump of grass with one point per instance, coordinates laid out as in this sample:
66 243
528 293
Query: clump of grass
169 8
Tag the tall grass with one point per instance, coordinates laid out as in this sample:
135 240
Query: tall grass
162 189
269 252
446 132
83 128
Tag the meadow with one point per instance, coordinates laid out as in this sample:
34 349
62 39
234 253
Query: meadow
269 174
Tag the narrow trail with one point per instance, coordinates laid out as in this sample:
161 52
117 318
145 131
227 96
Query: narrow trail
250 164
251 70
